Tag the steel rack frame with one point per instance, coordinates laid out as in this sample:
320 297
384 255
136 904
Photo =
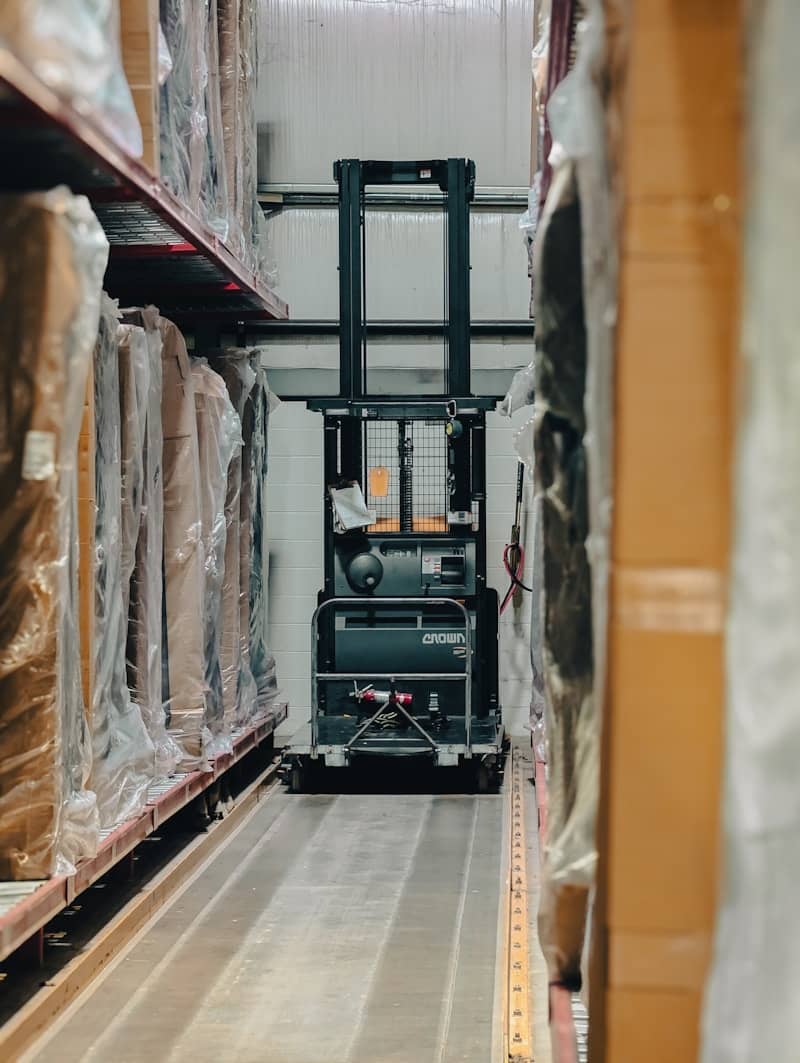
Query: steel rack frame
27 907
157 243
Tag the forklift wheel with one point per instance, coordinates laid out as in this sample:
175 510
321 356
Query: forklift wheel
483 778
297 778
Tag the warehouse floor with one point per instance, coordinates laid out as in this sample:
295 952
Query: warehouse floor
348 928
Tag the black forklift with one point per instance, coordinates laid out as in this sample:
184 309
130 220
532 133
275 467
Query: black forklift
405 635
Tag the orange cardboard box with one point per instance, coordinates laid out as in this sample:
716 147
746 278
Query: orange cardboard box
652 1026
664 787
139 36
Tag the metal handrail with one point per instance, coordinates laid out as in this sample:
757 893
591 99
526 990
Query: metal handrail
360 603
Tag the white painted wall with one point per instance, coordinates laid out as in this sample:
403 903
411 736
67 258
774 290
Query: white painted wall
394 79
404 264
294 529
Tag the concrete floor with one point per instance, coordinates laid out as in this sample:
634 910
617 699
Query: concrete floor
351 928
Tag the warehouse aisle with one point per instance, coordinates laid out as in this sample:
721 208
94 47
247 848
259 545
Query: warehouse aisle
348 928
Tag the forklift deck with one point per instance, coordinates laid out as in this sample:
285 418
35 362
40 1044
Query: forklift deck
335 733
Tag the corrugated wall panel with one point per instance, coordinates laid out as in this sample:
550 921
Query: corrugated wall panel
397 79
404 264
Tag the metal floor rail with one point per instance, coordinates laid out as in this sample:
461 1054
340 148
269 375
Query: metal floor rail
332 928
26 907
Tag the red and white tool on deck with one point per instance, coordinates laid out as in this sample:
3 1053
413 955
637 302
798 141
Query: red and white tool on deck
378 698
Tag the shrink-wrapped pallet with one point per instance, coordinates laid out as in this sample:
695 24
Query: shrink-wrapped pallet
262 662
239 689
238 57
567 630
575 294
247 150
123 756
257 250
185 688
192 141
143 523
228 15
220 441
74 47
49 309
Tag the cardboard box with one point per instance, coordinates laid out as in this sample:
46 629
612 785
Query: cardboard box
652 1026
677 327
676 354
664 789
139 38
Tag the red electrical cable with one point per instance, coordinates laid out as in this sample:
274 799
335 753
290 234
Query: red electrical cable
514 574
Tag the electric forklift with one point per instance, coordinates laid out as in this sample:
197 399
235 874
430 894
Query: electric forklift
404 636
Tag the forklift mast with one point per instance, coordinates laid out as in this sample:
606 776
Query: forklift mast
405 634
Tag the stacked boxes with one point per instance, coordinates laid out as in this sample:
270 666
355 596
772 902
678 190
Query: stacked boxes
125 615
132 602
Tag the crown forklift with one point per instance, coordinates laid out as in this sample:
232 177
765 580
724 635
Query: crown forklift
404 637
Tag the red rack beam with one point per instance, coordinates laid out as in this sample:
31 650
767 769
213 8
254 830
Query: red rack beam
28 916
153 250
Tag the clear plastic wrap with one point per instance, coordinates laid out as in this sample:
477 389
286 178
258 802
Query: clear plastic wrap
262 662
524 446
123 758
751 1010
134 373
239 688
575 282
56 254
219 435
143 515
248 129
73 46
520 393
228 15
255 231
540 53
192 141
537 712
164 57
185 689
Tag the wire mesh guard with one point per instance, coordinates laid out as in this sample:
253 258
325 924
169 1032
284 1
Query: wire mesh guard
407 475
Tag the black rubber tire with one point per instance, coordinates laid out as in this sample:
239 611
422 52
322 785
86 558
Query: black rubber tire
297 779
483 779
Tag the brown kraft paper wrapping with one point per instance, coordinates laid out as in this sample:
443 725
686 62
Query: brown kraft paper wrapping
49 304
183 552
